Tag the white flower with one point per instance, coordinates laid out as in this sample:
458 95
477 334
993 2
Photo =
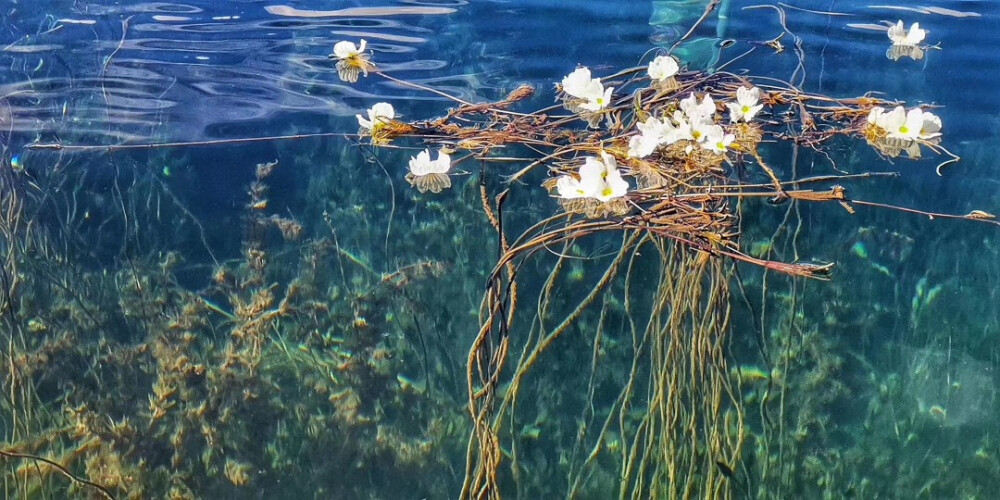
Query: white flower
599 179
590 91
344 49
663 67
893 122
899 124
717 140
568 188
683 130
650 135
745 107
578 83
599 99
902 124
379 114
875 116
698 112
908 38
702 130
421 164
611 184
352 61
930 126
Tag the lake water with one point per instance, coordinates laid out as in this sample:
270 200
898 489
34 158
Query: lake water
179 321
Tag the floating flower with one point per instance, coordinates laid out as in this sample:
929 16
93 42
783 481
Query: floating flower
352 60
717 140
378 116
698 112
930 127
701 129
598 179
649 138
345 49
579 83
682 131
570 188
588 93
899 130
427 175
598 100
906 38
746 105
902 124
663 67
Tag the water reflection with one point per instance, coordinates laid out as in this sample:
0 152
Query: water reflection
173 72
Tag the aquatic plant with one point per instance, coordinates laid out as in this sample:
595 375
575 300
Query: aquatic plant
677 424
281 366
320 354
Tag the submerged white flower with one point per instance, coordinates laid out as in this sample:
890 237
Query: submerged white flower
345 49
663 67
746 105
599 179
907 38
422 164
378 115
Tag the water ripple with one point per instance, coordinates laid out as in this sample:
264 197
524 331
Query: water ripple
187 70
145 71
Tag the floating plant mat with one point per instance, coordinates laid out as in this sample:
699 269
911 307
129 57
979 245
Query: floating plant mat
612 259
655 157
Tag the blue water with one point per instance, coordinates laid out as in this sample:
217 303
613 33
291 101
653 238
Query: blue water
83 75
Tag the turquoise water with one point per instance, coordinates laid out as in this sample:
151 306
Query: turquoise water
136 277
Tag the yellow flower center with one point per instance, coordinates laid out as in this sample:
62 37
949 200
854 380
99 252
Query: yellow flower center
746 109
904 130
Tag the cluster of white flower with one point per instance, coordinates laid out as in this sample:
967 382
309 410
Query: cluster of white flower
425 174
588 93
695 122
599 178
908 125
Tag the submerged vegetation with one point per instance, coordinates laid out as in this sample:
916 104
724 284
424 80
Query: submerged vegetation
593 299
